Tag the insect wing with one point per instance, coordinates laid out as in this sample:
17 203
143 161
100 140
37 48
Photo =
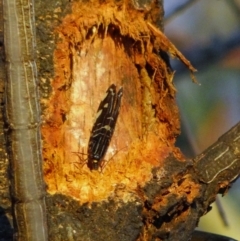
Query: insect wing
104 134
105 123
105 108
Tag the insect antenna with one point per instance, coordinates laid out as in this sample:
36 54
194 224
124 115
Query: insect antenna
83 161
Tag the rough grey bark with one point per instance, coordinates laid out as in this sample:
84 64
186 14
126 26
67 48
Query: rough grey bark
23 119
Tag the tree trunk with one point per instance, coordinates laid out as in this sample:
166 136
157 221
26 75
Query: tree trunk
143 188
22 121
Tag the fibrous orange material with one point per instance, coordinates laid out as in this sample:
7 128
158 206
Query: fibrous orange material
100 45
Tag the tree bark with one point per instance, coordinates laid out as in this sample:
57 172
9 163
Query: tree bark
22 120
145 189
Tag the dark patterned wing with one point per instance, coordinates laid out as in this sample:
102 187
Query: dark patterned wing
103 127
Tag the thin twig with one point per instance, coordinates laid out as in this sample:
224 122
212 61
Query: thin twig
201 55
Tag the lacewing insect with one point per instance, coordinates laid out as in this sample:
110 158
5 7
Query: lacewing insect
103 127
